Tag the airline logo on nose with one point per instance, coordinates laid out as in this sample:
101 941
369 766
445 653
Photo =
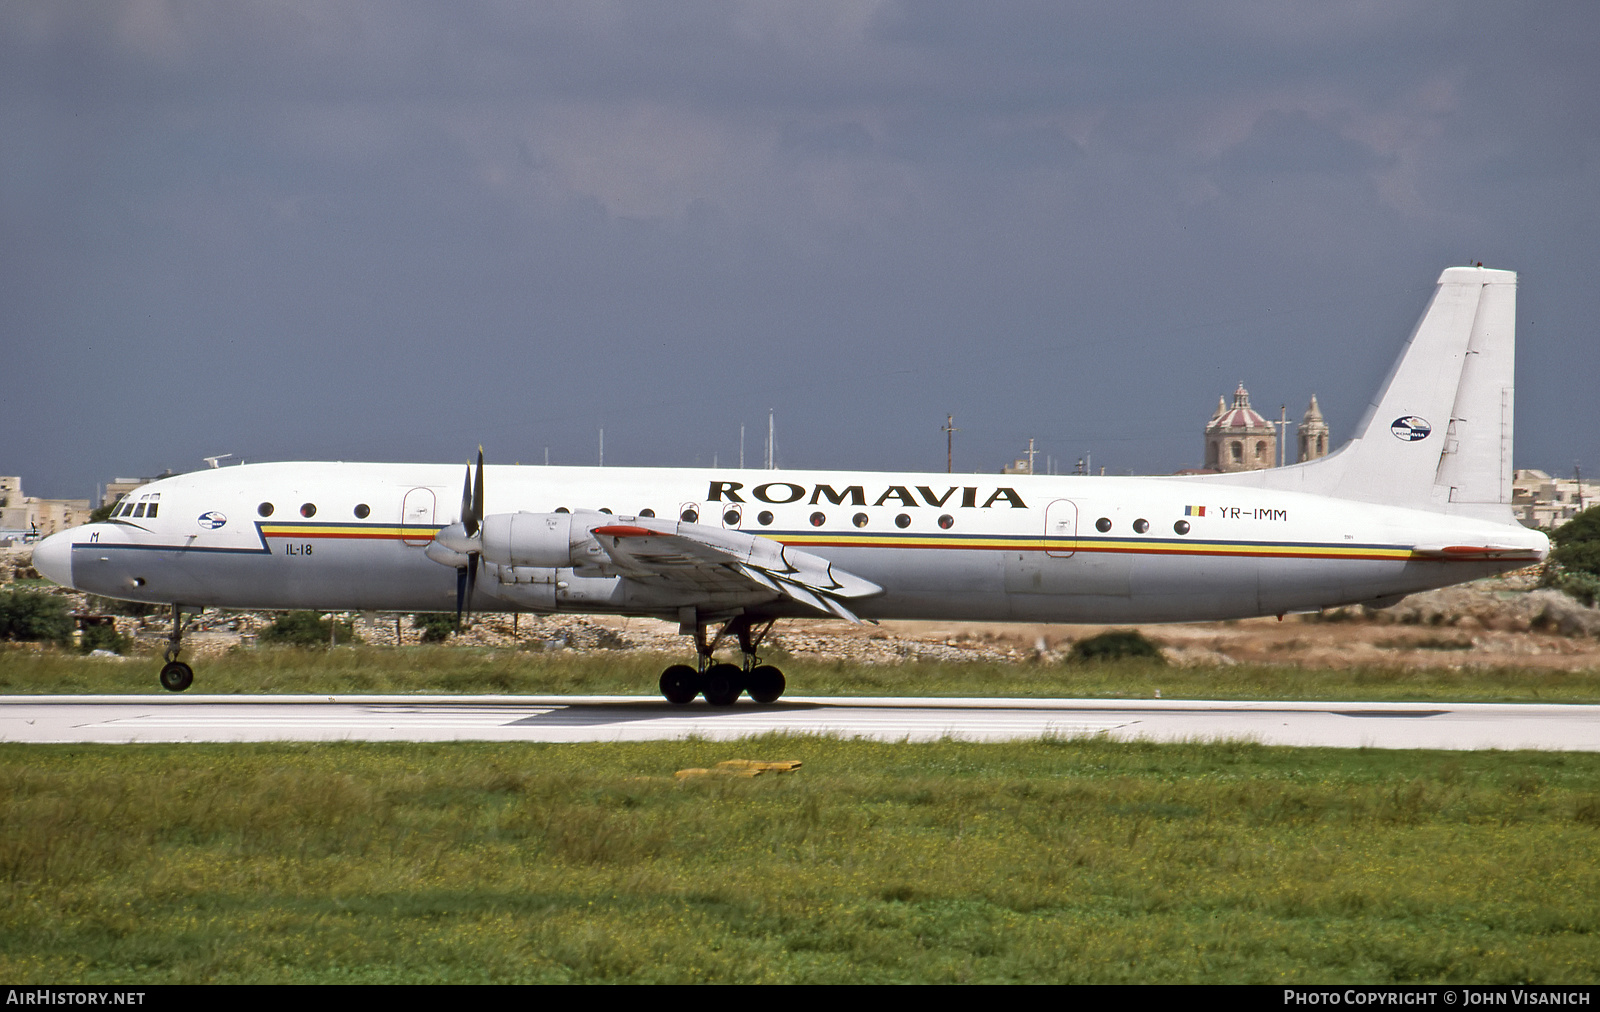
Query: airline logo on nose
211 521
1410 428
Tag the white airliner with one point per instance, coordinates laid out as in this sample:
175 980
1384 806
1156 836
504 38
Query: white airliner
1419 498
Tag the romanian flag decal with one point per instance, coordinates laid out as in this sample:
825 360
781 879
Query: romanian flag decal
1194 511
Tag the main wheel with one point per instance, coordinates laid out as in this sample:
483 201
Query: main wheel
680 684
177 676
724 683
765 684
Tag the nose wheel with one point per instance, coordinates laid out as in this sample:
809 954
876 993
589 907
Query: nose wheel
176 675
720 683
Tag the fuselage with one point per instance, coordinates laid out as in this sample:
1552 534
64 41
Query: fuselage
351 536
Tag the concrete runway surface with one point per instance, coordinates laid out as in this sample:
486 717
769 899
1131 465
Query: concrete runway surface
125 719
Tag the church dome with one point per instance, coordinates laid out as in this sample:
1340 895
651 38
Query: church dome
1238 416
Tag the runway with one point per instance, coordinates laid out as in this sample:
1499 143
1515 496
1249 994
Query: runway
129 719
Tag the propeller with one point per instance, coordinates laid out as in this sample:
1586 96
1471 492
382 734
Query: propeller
471 521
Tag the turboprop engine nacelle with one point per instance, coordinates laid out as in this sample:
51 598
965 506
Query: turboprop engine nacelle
543 540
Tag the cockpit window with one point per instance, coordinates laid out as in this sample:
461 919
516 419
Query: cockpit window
153 507
138 511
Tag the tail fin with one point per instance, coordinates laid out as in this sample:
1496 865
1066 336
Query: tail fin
1438 434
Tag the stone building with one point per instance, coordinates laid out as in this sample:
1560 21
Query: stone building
1313 432
1538 500
24 516
1238 438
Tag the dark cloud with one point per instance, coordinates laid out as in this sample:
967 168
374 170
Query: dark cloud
369 230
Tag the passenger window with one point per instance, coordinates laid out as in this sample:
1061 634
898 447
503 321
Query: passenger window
1103 524
947 521
764 518
1182 527
817 519
860 520
308 510
902 521
690 516
647 514
1141 525
363 511
265 509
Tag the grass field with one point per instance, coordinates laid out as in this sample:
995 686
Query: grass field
449 669
1064 861
1060 861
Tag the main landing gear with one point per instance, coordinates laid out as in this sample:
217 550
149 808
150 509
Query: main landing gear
176 675
722 684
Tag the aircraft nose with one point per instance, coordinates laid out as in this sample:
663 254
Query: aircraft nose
52 557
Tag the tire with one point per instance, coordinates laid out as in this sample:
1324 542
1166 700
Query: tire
724 684
177 676
765 684
680 684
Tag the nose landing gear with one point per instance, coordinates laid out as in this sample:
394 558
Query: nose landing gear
723 684
176 675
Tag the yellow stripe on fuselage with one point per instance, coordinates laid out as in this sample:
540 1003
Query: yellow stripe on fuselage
844 539
353 531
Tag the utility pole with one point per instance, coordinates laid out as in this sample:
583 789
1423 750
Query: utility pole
1283 430
950 431
602 446
771 455
1031 452
741 446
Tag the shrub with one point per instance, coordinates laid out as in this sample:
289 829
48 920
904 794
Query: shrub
102 637
436 626
33 616
305 629
1582 587
1115 646
1574 563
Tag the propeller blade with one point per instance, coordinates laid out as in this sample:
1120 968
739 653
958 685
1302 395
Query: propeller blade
467 520
477 495
471 521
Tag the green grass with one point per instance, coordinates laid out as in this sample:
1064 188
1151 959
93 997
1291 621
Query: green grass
1081 860
455 669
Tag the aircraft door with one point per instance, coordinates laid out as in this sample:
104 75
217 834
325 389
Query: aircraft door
1061 528
417 509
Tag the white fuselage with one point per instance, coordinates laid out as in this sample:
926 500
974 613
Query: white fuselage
352 536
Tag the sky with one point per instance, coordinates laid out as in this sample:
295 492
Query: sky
396 231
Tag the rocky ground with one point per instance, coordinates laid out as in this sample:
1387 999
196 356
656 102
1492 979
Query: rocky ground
1506 621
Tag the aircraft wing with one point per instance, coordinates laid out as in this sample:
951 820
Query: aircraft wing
704 556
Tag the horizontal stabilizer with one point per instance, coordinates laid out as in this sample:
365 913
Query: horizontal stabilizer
1473 552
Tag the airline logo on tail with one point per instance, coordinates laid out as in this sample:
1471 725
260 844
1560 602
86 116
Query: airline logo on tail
1410 428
